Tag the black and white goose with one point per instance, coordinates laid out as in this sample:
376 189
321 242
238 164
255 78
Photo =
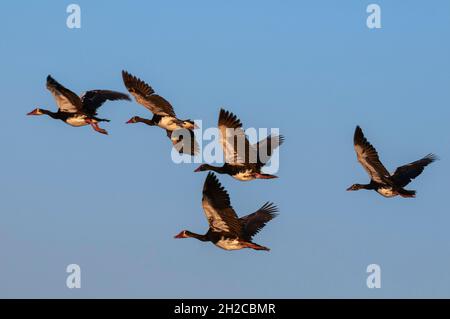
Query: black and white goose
243 161
180 132
381 180
226 229
75 110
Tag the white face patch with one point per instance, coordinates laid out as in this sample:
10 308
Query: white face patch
387 192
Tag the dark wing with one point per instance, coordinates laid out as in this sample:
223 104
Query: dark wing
406 173
266 147
145 95
92 100
368 157
217 207
253 223
66 100
236 147
184 141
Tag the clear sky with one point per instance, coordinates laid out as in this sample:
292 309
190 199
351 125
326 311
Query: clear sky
112 204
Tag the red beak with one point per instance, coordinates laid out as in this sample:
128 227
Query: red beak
34 112
198 169
180 235
130 121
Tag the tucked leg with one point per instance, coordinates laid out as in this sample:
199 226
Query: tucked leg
96 127
255 246
264 176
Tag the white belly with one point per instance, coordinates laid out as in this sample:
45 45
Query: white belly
77 121
244 175
169 123
387 192
229 244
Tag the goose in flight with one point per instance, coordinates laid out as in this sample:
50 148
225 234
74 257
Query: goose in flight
180 132
226 229
75 110
381 180
243 161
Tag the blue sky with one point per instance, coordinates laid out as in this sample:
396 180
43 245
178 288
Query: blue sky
112 204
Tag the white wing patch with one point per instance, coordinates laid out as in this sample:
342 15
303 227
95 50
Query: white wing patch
234 144
63 102
363 159
214 219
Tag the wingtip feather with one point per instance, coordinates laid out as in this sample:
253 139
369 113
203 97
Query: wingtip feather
432 157
228 119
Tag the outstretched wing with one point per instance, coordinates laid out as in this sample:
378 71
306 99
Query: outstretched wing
235 145
266 147
66 100
145 95
184 141
253 223
368 157
216 205
92 100
406 173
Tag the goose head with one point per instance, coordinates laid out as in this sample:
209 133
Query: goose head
355 187
133 120
183 234
36 111
203 167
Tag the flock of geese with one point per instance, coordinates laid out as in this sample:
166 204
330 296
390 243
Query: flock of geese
226 229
